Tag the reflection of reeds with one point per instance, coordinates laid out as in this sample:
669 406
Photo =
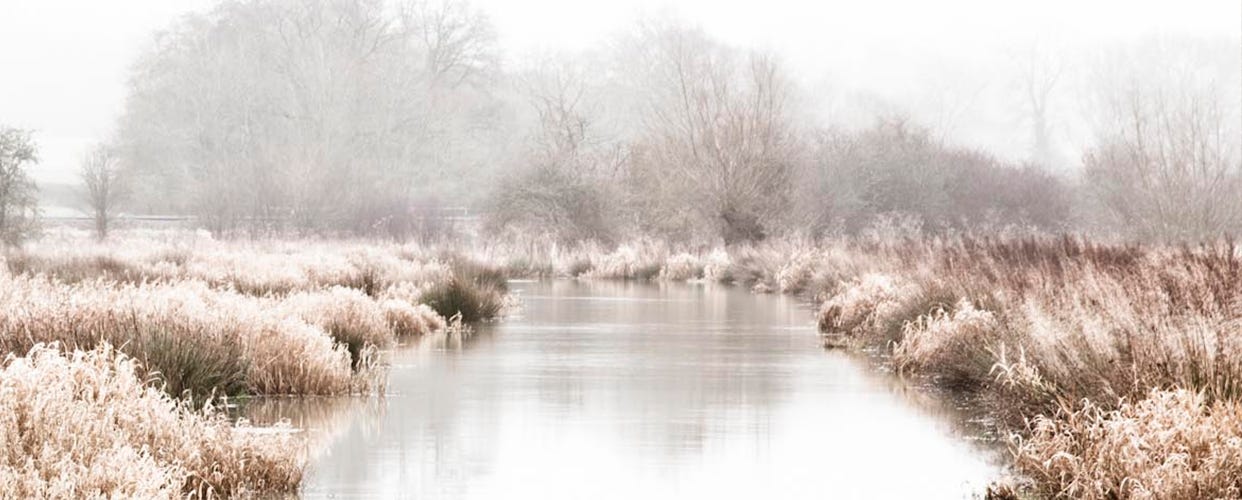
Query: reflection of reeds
318 422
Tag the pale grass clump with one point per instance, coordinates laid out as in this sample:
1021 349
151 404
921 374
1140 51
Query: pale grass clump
756 266
299 359
864 305
84 425
796 273
637 261
952 342
196 338
348 315
681 266
716 266
253 268
403 291
408 320
1172 444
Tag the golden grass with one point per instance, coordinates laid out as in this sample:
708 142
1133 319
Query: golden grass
1079 348
196 319
84 424
253 268
1170 444
195 338
1072 336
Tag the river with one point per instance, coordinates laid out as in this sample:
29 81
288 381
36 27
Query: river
608 390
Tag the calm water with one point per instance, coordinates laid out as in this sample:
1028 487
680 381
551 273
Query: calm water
632 391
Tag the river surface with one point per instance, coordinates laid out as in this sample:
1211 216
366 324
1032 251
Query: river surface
604 390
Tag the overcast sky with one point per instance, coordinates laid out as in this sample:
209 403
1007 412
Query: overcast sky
65 61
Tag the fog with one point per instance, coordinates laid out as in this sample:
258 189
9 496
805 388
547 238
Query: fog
67 59
475 115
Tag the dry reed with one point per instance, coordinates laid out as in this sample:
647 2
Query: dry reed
84 425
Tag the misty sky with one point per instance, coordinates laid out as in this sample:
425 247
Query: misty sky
65 61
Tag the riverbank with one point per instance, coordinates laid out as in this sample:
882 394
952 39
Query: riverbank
174 325
1081 349
1078 349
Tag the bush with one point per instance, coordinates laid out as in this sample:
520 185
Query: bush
899 168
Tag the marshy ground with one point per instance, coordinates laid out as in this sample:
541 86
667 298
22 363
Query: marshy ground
1110 370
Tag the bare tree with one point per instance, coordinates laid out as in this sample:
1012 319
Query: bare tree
718 128
308 115
458 41
1166 164
103 188
19 207
1039 76
564 184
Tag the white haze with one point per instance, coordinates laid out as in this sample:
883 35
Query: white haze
65 61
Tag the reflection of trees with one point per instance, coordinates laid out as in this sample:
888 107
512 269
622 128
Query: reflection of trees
664 364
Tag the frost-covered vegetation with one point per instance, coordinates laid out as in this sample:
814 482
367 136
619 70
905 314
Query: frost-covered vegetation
366 172
1112 367
86 424
156 329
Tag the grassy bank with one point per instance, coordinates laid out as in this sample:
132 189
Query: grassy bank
1115 369
154 331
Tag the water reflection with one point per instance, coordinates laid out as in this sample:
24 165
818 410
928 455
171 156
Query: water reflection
622 390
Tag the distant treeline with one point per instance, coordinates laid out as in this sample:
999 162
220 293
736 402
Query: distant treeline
363 117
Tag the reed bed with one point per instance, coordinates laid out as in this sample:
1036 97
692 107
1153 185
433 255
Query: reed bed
225 318
1108 363
253 268
195 338
155 330
85 425
1078 349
